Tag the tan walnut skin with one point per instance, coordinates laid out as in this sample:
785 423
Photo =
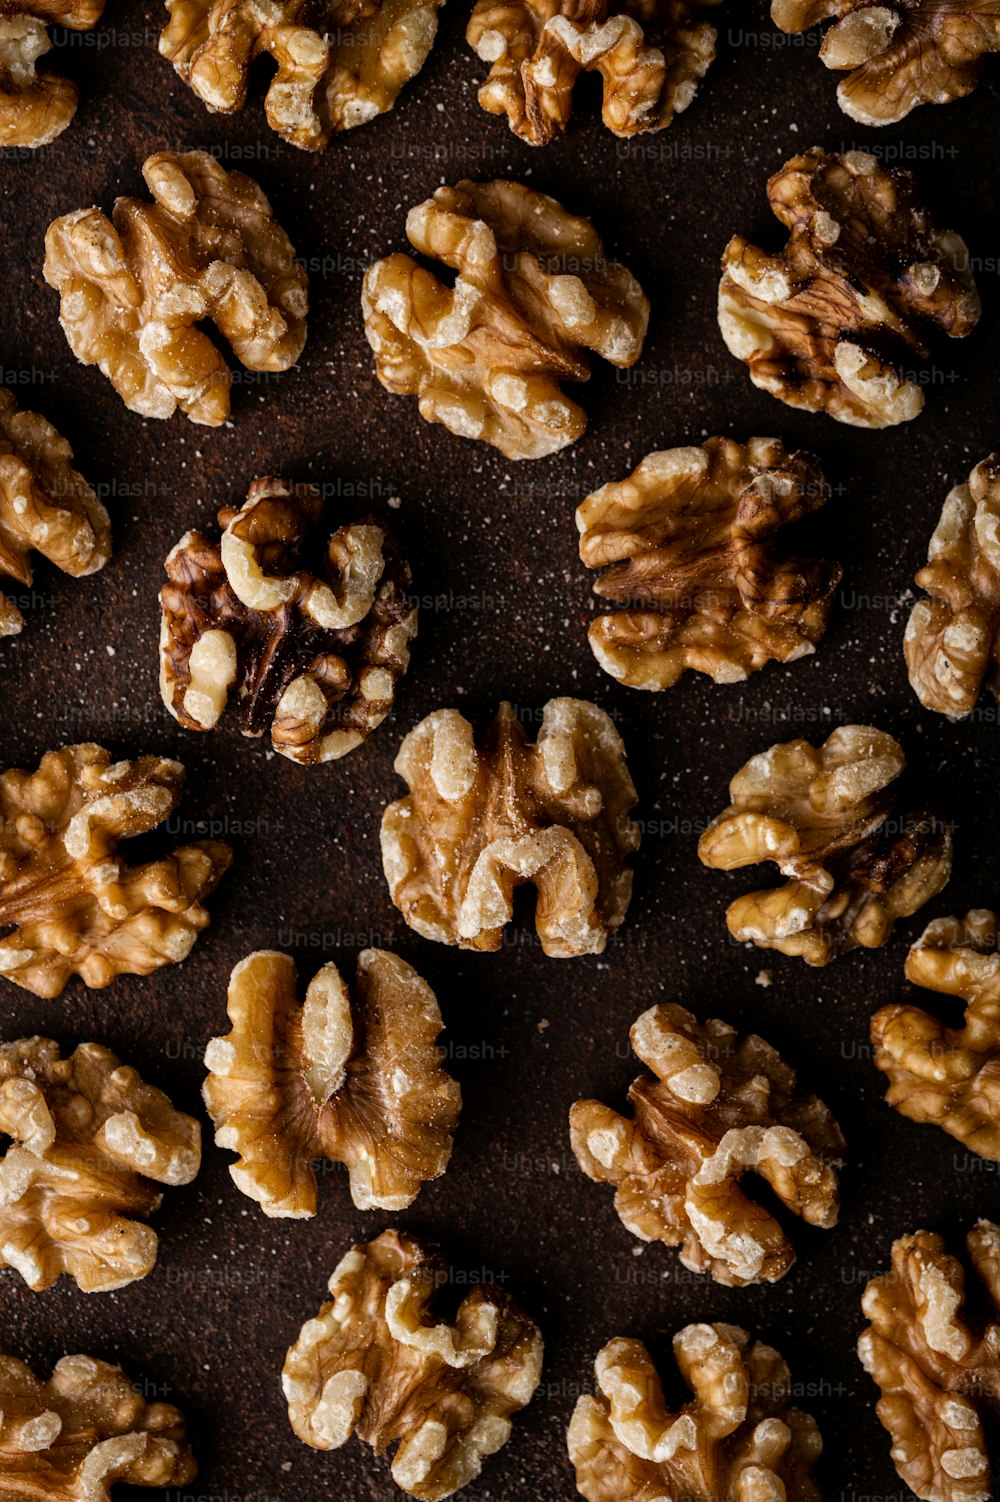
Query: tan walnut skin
340 63
481 820
45 506
949 1075
716 1107
738 1438
938 1367
314 656
76 907
69 1439
90 1142
900 54
829 818
376 1362
838 320
951 641
688 544
533 292
35 107
352 1079
650 56
133 288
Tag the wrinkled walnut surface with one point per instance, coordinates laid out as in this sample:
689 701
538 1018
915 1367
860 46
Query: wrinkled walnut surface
90 1141
352 1079
481 820
938 1369
738 1440
71 1438
36 107
133 288
836 322
651 56
78 909
719 1107
951 644
339 63
533 291
900 54
303 629
828 818
690 544
377 1363
45 506
949 1075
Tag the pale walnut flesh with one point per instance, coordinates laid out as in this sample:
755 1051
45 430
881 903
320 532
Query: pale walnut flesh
719 1107
483 819
900 54
487 350
938 1368
650 55
351 1079
71 1438
949 1075
90 1143
828 817
689 545
379 1363
134 288
45 506
838 320
304 628
951 642
339 63
35 107
738 1438
76 907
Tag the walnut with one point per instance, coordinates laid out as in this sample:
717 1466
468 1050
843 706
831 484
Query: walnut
481 820
938 1369
36 107
72 1437
828 818
45 505
376 1362
353 1080
738 1438
942 1074
90 1141
651 56
315 656
134 290
339 63
951 642
76 907
532 290
834 322
690 540
900 54
718 1108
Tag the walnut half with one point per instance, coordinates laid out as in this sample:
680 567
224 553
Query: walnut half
89 1143
481 820
353 1080
71 1438
837 320
376 1362
36 107
690 540
828 818
938 1367
719 1107
301 627
738 1440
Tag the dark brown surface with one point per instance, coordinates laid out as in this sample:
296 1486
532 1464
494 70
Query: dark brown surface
494 545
